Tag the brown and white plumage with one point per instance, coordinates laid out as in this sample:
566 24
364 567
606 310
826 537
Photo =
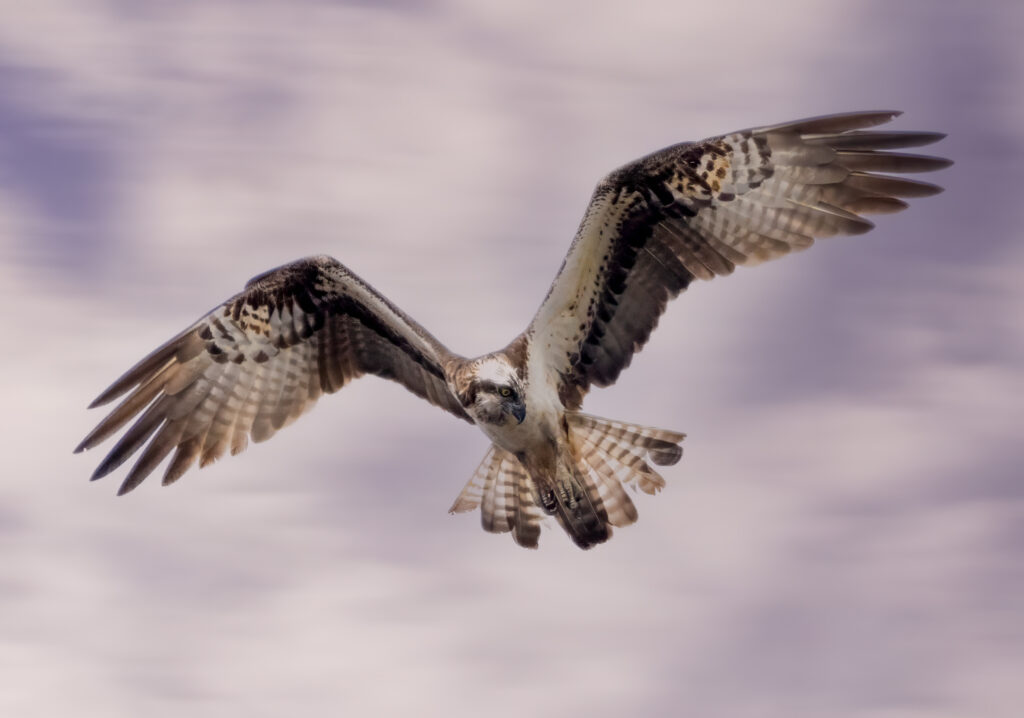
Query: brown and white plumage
259 361
691 211
696 211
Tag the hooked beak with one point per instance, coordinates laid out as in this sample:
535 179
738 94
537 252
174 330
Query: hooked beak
518 410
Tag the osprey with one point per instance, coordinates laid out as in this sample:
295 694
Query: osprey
690 211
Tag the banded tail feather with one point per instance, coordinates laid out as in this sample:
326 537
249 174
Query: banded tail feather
587 498
505 494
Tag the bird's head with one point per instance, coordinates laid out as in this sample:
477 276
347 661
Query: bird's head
494 393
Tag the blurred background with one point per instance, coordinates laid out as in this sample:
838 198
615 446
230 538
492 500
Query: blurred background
844 534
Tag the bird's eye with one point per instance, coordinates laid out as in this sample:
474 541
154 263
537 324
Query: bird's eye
505 391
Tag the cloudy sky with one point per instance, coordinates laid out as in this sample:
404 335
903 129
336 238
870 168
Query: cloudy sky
844 535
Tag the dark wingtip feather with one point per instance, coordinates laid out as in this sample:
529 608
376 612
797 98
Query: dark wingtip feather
118 455
861 228
105 467
138 374
861 160
842 122
666 456
917 138
184 456
184 346
133 439
845 222
876 205
922 189
887 186
872 140
102 399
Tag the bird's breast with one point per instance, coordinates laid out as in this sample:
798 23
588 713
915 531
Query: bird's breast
538 429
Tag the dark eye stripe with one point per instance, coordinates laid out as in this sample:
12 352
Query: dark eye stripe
490 386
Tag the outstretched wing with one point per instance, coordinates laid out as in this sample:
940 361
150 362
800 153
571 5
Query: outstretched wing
696 210
259 361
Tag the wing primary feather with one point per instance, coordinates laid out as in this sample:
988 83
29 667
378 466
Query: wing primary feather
875 205
148 365
128 408
875 140
867 161
157 450
184 457
134 438
833 123
842 221
884 186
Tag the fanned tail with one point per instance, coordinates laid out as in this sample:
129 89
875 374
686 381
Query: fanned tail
586 495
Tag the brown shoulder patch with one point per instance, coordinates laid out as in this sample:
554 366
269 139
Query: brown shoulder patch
517 353
459 373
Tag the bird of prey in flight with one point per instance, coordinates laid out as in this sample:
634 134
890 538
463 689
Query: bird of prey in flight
691 211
